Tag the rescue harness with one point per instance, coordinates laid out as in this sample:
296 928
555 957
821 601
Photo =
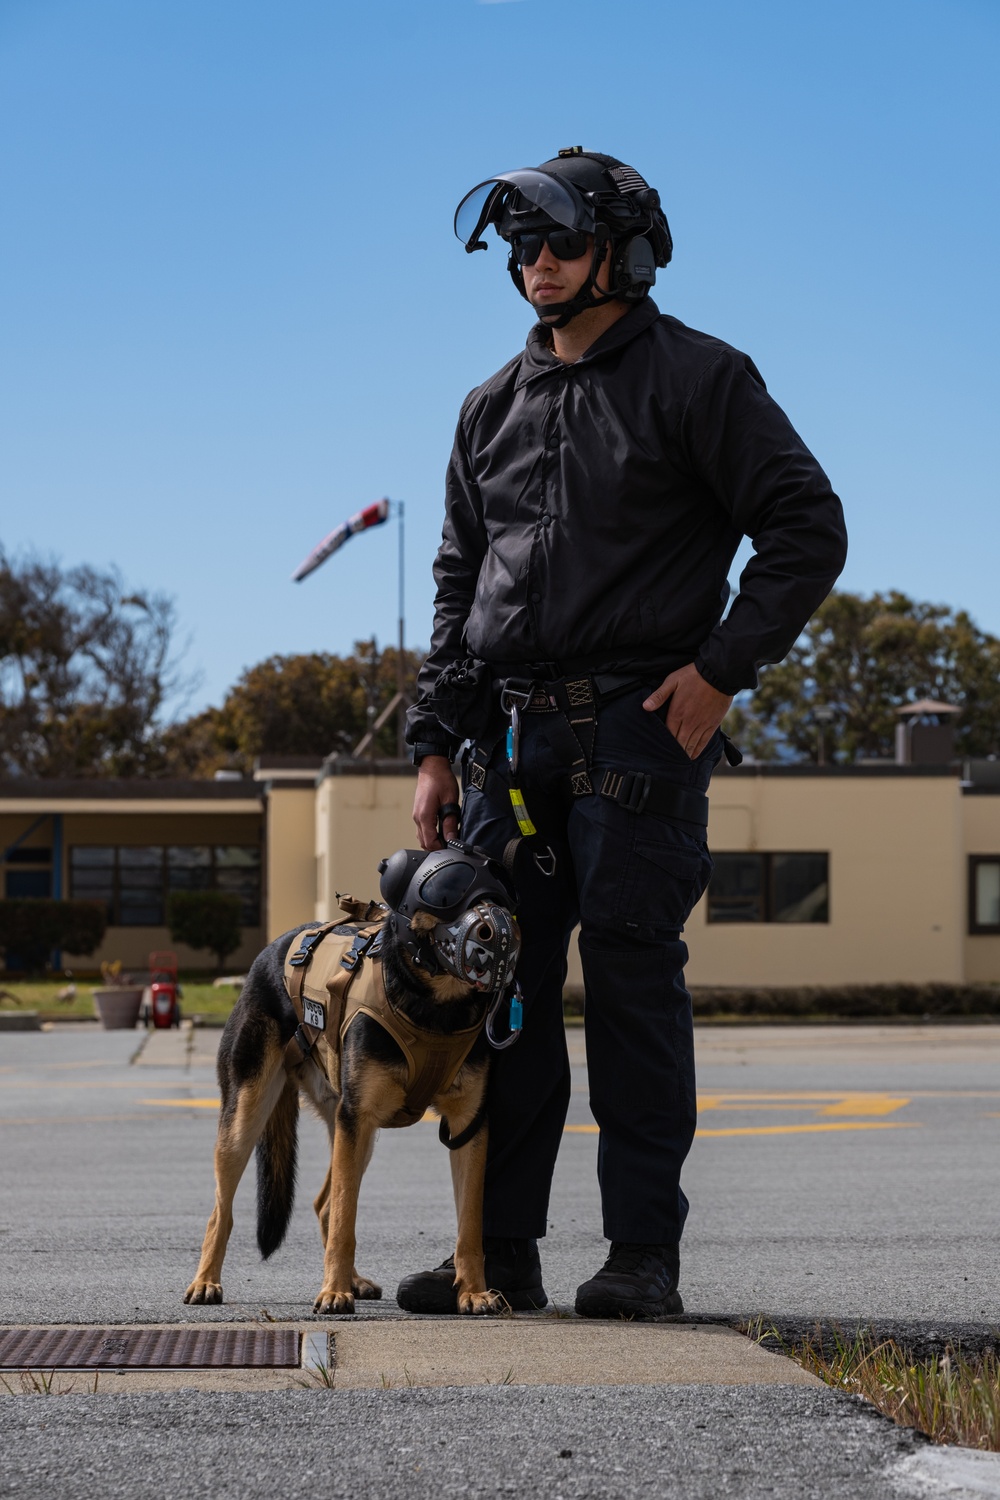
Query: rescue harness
573 703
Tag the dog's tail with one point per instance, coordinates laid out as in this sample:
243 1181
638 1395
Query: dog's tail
277 1151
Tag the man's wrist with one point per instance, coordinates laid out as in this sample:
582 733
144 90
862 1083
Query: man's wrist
426 749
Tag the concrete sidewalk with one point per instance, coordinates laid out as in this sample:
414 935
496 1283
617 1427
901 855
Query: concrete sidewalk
520 1350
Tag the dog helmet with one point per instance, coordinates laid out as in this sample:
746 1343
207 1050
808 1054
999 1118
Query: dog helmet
583 191
476 937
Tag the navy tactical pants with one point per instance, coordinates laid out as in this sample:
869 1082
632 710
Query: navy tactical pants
630 880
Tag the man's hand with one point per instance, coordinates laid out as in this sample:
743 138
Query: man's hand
436 787
696 708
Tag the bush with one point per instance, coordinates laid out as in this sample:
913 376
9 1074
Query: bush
31 927
846 1002
206 919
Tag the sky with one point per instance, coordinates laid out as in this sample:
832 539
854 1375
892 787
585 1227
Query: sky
233 311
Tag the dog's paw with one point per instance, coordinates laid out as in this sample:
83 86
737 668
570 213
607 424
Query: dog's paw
365 1289
482 1304
333 1302
203 1292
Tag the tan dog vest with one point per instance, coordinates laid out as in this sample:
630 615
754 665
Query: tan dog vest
333 973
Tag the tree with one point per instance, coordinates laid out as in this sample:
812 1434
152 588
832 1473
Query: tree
85 667
205 919
31 927
864 657
312 704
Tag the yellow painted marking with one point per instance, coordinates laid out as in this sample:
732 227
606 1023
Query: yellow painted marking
867 1104
186 1103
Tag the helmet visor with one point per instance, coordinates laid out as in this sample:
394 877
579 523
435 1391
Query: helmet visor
560 201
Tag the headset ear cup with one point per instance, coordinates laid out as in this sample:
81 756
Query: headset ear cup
397 872
635 268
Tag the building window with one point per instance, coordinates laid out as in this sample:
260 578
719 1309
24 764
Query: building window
984 893
134 880
770 888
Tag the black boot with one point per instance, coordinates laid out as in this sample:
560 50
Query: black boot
512 1268
636 1281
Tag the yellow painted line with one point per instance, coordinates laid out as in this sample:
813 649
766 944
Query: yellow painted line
867 1104
783 1129
185 1103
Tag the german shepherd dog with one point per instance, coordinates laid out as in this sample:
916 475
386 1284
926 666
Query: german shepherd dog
260 1107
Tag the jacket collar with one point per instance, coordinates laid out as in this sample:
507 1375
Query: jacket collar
538 358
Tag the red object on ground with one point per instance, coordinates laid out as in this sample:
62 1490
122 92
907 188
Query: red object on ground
165 1005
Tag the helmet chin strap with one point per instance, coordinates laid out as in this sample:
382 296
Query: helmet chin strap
558 314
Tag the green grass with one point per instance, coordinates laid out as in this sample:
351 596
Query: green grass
199 998
951 1397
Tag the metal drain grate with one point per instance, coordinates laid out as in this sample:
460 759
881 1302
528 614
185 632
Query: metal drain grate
148 1348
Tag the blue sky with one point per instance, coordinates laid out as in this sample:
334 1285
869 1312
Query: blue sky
232 309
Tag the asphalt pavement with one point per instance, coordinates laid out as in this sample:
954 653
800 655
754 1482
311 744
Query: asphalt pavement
844 1173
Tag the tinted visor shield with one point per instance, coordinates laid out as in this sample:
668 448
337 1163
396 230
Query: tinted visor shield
564 244
541 193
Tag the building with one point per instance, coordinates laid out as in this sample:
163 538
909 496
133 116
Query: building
859 874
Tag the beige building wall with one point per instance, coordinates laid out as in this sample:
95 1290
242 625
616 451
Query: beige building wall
134 823
290 858
359 820
981 825
897 881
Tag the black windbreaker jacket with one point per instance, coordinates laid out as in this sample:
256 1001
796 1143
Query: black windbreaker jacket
593 511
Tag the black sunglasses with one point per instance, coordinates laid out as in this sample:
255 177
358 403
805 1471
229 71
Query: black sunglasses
565 244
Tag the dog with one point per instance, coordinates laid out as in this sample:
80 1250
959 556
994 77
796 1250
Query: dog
447 962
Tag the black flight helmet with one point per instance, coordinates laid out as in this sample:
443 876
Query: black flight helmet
580 193
476 937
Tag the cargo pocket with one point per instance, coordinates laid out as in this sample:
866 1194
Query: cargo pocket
667 874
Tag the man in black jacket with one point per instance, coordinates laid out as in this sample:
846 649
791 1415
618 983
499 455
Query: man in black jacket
599 487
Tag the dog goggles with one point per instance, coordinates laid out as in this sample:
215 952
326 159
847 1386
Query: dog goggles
565 244
481 947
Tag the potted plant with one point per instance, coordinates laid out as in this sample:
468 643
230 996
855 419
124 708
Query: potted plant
118 1000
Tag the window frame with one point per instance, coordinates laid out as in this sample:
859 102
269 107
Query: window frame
767 903
980 929
114 905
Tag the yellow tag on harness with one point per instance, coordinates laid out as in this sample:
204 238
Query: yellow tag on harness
525 824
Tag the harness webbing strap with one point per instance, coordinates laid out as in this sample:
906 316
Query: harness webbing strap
306 1036
475 1125
639 793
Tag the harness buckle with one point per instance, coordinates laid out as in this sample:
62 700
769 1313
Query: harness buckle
516 693
630 789
359 948
309 943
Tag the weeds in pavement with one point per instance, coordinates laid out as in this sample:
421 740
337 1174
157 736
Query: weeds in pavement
505 1379
318 1374
43 1383
952 1397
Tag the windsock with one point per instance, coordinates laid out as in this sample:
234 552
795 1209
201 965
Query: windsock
372 515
